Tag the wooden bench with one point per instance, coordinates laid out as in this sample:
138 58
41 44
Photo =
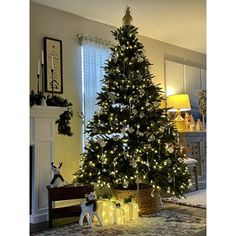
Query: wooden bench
65 193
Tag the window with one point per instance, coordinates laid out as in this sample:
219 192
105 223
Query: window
93 58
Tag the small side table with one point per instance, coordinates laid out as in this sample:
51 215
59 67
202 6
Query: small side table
192 164
65 193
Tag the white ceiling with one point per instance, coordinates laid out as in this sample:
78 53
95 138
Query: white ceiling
178 22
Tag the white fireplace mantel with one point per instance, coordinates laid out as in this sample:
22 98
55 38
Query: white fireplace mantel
42 138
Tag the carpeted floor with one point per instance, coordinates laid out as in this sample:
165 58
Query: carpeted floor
163 223
194 199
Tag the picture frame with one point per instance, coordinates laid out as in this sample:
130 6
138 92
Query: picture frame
53 59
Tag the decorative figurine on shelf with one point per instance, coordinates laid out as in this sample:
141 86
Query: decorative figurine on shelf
57 180
191 127
192 121
187 120
198 125
43 101
89 209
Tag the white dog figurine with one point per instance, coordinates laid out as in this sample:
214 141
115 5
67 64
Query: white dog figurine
89 209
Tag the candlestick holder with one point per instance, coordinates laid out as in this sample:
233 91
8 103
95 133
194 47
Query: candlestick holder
43 82
52 83
38 82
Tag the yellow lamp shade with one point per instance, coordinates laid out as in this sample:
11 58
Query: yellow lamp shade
178 102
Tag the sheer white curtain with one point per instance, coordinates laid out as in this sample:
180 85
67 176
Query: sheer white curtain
94 55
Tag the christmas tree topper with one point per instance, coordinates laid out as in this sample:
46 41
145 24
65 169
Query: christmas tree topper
127 19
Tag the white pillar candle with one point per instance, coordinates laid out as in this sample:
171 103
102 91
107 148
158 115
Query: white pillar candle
42 58
38 68
52 66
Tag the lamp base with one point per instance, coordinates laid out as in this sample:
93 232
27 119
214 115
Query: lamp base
180 123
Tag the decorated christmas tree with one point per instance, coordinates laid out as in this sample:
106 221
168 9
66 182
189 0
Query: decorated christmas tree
131 140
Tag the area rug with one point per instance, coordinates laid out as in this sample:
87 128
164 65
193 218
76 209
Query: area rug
193 199
163 223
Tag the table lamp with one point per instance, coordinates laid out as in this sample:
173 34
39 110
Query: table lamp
178 103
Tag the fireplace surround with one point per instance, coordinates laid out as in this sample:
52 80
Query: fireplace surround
42 142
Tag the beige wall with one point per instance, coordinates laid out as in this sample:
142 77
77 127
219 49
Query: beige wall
48 22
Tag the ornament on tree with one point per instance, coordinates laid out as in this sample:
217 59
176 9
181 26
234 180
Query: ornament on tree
101 142
142 92
141 134
141 115
133 163
131 130
169 148
125 184
152 138
112 96
98 113
95 130
88 145
147 164
134 111
169 179
116 138
156 104
123 131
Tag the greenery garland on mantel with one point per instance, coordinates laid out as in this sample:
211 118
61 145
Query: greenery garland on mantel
63 122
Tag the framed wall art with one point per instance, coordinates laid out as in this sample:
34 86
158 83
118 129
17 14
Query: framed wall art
53 65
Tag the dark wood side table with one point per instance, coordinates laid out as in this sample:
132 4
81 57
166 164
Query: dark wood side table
65 193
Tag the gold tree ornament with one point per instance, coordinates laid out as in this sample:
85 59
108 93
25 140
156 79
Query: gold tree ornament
127 19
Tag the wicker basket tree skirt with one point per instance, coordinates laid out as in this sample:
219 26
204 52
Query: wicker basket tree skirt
146 203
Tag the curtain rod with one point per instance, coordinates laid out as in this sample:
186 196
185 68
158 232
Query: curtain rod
83 37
